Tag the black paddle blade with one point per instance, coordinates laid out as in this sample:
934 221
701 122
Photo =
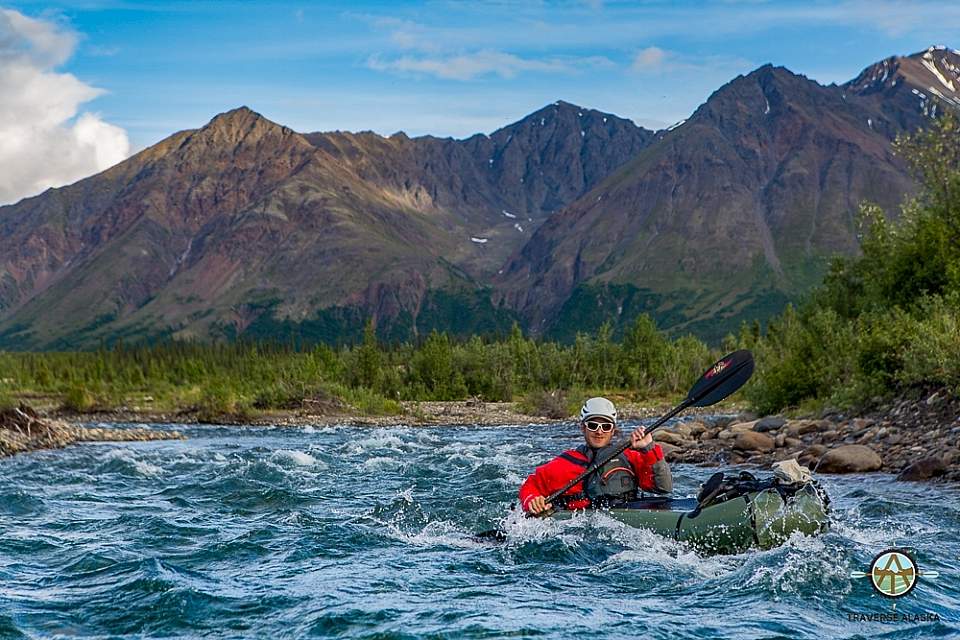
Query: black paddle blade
493 535
725 376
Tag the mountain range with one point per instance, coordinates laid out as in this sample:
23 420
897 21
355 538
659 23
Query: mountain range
561 221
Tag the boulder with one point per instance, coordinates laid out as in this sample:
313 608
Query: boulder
802 427
770 423
924 468
811 455
742 426
726 434
695 428
681 428
670 437
753 441
722 422
668 449
850 458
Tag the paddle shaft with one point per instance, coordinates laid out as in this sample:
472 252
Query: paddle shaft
623 447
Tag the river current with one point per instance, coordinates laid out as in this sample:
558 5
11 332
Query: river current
367 533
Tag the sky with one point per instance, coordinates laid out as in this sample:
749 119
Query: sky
84 84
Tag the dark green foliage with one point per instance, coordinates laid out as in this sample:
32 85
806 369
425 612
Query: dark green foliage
590 306
888 319
460 314
222 382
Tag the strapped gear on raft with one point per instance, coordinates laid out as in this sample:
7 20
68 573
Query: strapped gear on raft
722 488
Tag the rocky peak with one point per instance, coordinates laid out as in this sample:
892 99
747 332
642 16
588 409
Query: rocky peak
241 125
563 118
758 97
932 76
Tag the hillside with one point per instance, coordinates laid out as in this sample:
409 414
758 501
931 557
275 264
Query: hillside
736 211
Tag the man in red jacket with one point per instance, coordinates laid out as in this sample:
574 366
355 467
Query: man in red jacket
640 467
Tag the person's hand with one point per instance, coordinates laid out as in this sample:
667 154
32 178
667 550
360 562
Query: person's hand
640 439
538 505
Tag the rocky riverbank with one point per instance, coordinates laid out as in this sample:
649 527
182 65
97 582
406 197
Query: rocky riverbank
23 430
414 413
916 439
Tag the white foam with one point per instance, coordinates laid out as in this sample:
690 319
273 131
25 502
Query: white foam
147 469
299 458
140 466
379 463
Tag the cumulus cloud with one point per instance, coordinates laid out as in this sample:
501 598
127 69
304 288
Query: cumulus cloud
649 59
43 141
467 66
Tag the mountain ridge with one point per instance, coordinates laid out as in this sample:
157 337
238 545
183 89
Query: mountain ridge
561 220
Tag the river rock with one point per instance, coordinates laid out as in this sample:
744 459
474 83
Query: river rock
753 441
668 449
670 437
924 468
850 458
802 427
695 428
770 423
742 426
681 428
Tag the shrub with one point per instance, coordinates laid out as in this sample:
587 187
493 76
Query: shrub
549 404
79 400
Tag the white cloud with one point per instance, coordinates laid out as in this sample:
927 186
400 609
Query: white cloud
654 60
43 142
467 66
649 59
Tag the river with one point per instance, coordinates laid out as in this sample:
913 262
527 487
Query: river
366 533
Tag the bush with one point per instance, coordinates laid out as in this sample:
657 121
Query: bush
219 404
79 400
7 400
549 404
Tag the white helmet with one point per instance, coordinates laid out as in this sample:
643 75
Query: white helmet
596 407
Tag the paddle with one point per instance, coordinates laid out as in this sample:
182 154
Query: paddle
725 376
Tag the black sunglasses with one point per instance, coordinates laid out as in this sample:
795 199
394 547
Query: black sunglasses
599 425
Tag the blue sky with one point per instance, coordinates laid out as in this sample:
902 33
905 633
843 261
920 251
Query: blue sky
455 68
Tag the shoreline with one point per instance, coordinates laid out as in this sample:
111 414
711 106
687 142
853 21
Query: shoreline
917 439
23 430
415 414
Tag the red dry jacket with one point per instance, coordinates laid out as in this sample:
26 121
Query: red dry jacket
553 475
